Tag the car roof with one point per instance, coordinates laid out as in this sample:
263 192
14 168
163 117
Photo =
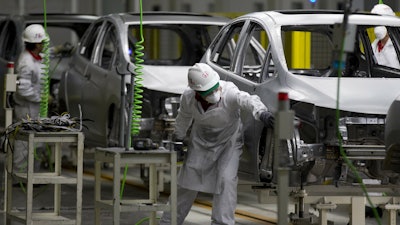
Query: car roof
310 17
172 18
77 22
55 18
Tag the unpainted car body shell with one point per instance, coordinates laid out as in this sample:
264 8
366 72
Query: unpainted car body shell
366 97
11 44
99 91
356 95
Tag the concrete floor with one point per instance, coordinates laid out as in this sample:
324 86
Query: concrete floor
135 188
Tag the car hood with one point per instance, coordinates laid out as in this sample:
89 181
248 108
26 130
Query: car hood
171 79
362 95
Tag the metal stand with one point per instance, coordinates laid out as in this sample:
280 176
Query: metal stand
10 86
30 177
283 130
119 157
327 198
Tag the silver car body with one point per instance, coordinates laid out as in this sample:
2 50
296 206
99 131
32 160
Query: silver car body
62 29
364 99
173 43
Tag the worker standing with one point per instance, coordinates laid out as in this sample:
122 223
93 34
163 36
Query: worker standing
382 46
211 108
28 94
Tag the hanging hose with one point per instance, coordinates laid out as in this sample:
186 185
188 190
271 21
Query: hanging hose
44 101
137 82
137 98
339 136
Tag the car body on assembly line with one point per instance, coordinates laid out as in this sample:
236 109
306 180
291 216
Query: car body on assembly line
64 31
265 53
110 51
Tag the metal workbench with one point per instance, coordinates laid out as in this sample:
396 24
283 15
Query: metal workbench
120 157
30 177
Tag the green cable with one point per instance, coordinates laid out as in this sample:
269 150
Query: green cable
143 219
44 99
137 98
136 112
121 193
342 152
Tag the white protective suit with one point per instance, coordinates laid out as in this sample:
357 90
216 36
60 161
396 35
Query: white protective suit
214 149
387 56
27 99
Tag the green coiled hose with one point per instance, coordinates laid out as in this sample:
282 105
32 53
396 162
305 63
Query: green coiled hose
137 98
44 101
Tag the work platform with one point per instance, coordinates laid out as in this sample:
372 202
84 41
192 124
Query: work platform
121 157
30 177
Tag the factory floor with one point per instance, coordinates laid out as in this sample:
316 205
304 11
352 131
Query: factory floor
249 210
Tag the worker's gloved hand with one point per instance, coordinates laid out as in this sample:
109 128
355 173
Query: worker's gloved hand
179 145
64 49
268 119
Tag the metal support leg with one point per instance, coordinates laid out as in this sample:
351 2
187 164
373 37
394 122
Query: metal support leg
283 197
174 192
97 191
153 191
323 212
390 213
117 189
357 215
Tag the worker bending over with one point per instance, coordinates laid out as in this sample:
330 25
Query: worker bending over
211 108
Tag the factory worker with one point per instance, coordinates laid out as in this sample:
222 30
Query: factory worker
211 108
382 46
28 94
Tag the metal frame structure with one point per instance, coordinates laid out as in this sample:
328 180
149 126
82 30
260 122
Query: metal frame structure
120 157
57 178
326 198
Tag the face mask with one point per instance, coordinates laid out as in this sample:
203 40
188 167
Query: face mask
380 32
214 97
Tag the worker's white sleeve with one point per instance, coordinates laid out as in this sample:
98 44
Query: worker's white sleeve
245 101
25 87
184 118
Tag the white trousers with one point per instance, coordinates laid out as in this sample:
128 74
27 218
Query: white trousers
223 207
20 149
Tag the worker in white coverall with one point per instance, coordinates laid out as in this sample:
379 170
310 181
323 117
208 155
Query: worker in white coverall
212 108
28 94
382 46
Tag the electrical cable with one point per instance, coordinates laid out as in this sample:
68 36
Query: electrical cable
143 220
44 100
342 152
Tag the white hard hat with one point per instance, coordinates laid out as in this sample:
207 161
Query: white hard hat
203 78
34 34
382 9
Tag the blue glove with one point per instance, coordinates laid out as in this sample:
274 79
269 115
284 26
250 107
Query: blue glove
268 119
